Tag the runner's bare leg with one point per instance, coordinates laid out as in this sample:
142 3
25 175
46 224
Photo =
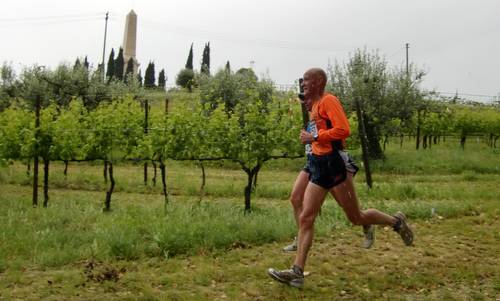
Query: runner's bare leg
314 197
345 195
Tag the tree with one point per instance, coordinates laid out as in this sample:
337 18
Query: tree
130 69
149 76
8 85
77 64
189 62
115 125
205 61
162 79
232 88
383 96
228 67
139 77
86 63
119 65
257 133
110 72
68 138
185 79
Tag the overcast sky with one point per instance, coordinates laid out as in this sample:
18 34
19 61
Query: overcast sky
456 42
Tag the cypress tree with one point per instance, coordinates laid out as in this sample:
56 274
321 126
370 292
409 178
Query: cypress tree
99 68
205 61
77 64
162 79
130 69
228 67
110 73
149 77
119 65
86 63
189 62
139 77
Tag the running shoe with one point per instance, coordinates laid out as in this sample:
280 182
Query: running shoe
291 247
293 276
403 229
369 231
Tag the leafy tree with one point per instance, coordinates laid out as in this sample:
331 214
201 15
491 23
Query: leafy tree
255 134
65 83
232 88
251 136
45 142
110 72
99 91
119 65
189 62
162 79
383 96
115 125
34 87
8 86
205 61
185 79
69 132
16 130
248 74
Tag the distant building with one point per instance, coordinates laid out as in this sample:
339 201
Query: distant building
129 40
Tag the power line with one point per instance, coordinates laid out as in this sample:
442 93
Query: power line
394 53
50 22
51 17
465 94
234 39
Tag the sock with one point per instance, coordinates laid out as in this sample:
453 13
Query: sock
397 225
297 270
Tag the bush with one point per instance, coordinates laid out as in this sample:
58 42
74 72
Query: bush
185 79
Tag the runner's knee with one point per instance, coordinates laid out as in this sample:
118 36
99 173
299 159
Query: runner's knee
306 220
296 200
357 219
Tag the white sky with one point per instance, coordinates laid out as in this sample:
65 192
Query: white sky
456 41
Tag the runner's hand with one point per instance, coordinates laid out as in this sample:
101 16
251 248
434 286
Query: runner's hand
306 137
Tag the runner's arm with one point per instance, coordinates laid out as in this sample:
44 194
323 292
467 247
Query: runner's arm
340 125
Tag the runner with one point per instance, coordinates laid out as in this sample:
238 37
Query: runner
329 170
299 187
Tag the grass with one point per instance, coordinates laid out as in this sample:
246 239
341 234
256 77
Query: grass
444 264
211 250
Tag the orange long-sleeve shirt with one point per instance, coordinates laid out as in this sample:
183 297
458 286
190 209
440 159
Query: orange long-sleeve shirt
329 107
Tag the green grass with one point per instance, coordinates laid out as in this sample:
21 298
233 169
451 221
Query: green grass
211 250
444 158
46 237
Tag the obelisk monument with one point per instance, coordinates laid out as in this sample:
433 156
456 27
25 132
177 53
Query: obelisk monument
129 40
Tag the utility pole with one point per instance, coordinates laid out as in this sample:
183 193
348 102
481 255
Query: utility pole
146 113
407 69
35 159
104 47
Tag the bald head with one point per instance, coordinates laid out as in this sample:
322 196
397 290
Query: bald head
318 73
316 81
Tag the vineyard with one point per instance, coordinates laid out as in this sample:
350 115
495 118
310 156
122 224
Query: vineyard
253 134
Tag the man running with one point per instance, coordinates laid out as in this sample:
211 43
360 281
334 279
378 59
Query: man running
299 188
328 171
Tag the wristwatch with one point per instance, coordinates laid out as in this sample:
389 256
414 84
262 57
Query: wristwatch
315 137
